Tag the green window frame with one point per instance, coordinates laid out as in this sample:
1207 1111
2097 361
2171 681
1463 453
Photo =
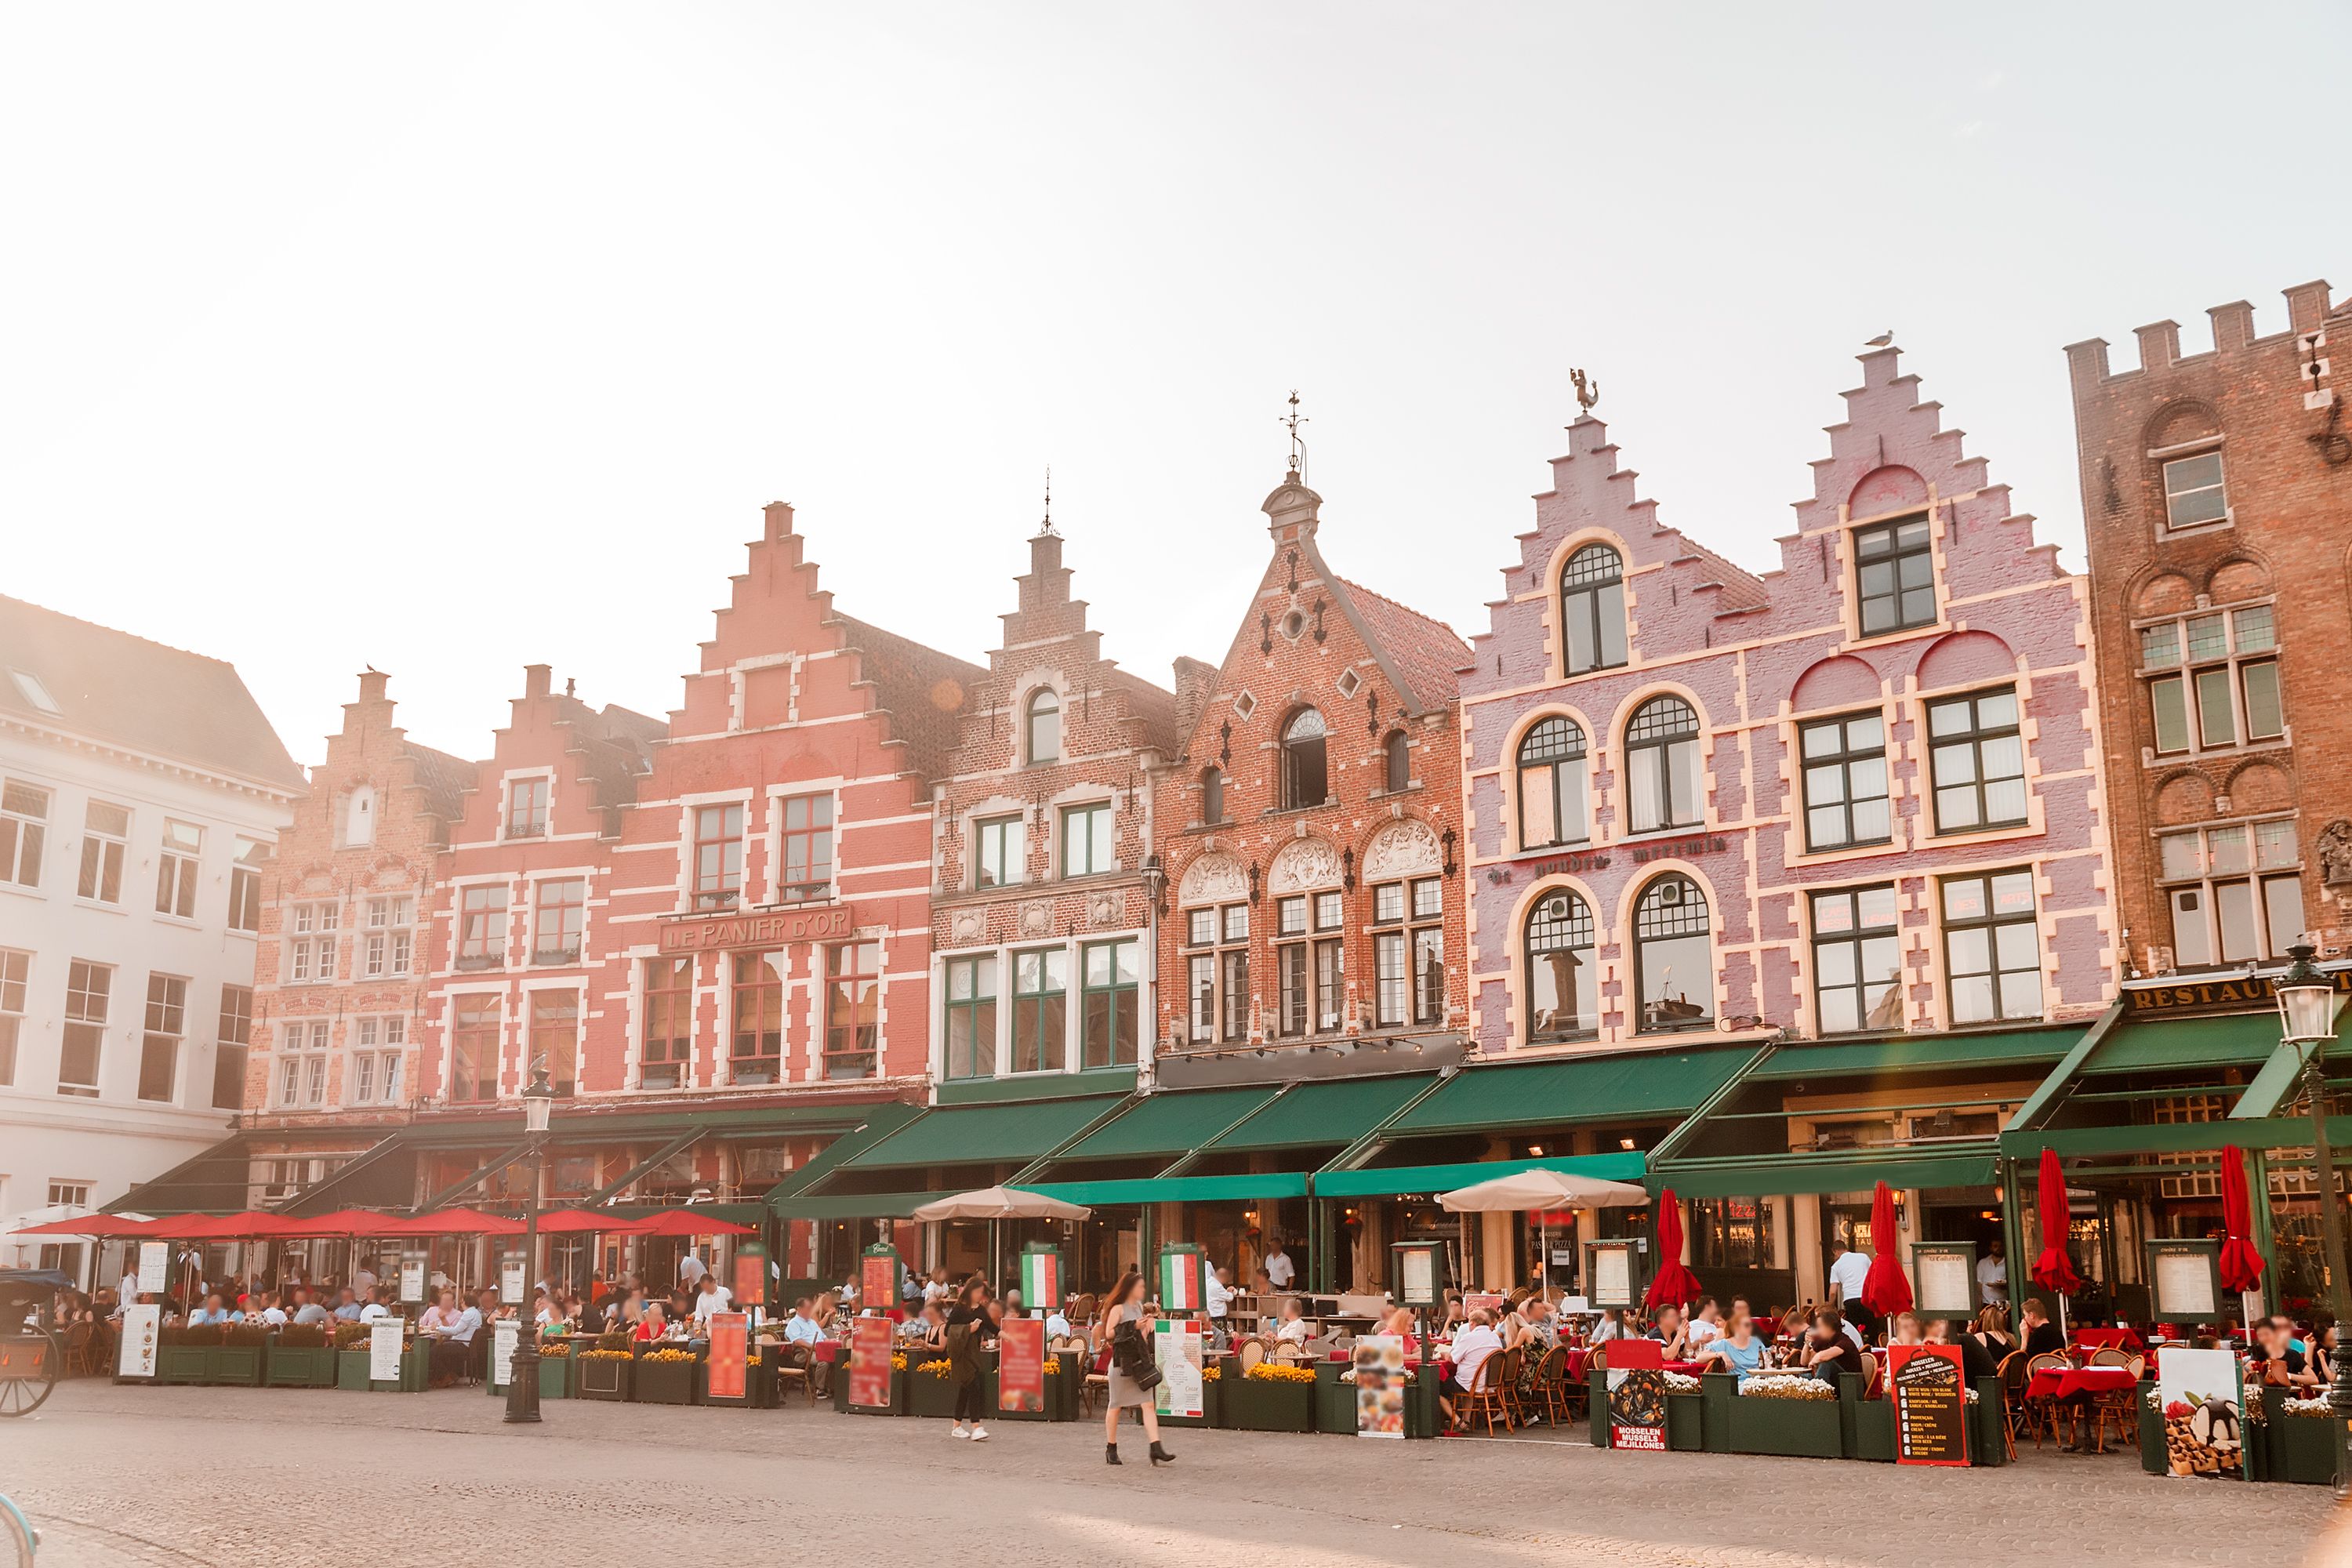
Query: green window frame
1109 981
1087 840
1041 984
1002 849
971 1017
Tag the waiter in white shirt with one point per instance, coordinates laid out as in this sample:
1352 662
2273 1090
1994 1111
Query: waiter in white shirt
1992 1275
1279 1272
1848 1272
1217 1293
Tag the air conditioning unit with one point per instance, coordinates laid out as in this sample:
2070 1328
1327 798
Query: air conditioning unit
1556 907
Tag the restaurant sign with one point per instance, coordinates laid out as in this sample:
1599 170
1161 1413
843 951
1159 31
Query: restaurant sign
1020 1365
1931 1409
727 1364
755 928
2221 993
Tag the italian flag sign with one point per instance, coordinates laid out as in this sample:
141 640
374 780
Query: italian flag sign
1041 1282
1180 1279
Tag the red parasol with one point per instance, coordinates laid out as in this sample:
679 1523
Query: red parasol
450 1221
2053 1270
253 1225
93 1224
2241 1265
1674 1285
341 1224
561 1222
688 1222
1884 1290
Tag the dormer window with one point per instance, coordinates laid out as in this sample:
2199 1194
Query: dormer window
527 809
1592 609
1212 795
1305 778
1045 728
1894 576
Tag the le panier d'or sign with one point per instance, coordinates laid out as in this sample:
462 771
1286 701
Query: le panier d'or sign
757 928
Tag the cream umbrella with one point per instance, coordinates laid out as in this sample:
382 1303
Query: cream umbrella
1000 1202
1542 1190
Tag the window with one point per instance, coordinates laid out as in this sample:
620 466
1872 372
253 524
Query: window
1086 840
359 816
310 941
757 1053
1233 974
971 1017
1731 1232
1217 974
167 1026
23 825
1991 947
88 989
1109 975
2194 494
1304 779
1894 576
1408 955
1396 757
1561 986
1045 728
175 870
669 1023
807 849
1552 793
2235 891
34 691
475 1047
1212 795
853 1009
555 1037
1040 1009
1672 957
1290 958
16 972
233 1044
69 1194
302 1064
1592 609
2212 679
1845 782
1977 761
106 829
718 856
1662 764
1330 965
245 885
562 914
388 944
482 927
1003 851
376 1061
527 809
1857 961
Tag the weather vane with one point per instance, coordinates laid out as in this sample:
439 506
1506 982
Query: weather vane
1047 526
1587 393
1297 444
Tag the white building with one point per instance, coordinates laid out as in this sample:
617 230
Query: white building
141 792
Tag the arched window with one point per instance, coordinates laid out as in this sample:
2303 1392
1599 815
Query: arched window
1552 785
1045 726
1304 779
1661 765
1592 609
1673 963
1397 754
1212 795
1562 985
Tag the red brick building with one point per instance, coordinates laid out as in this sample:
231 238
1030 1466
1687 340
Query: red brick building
2217 488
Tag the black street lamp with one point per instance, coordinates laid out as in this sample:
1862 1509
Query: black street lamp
522 1374
2307 1013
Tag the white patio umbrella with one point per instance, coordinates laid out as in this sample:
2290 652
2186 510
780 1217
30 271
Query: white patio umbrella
1000 1202
1542 1191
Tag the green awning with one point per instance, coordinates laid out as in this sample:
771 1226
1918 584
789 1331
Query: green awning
1605 1086
1621 1167
1170 1123
1338 1111
2172 1045
983 1135
854 1206
1174 1189
1921 1053
1788 1175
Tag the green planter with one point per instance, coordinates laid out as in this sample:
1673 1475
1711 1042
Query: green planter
929 1396
603 1377
1687 1423
2152 1457
236 1366
352 1370
1334 1401
2301 1447
1799 1429
554 1376
1256 1404
759 1387
1866 1426
183 1364
302 1366
1212 1401
1060 1391
1421 1415
665 1381
1988 1424
899 1392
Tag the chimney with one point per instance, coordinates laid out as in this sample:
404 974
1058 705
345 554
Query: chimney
2234 325
2306 305
535 679
2160 345
371 683
779 519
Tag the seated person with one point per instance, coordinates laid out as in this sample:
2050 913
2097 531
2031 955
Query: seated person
1611 1326
2042 1335
1736 1349
307 1310
268 1311
2282 1365
1829 1349
381 1308
1906 1330
1705 1322
1293 1331
652 1326
348 1306
1473 1347
435 1320
1674 1342
1991 1332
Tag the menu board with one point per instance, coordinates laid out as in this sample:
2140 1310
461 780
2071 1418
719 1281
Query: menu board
510 1278
412 1277
2198 1395
1637 1394
869 1359
750 1277
1946 1281
2184 1283
383 1349
1176 1345
1041 1282
154 1268
1420 1282
1612 1276
1931 1406
1381 1384
1020 1364
877 1282
1484 1301
141 1327
505 1333
730 1344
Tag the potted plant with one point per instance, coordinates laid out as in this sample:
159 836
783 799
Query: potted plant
1775 1414
183 1352
1685 1414
554 1367
239 1360
1272 1397
899 1378
1867 1425
2303 1438
665 1375
602 1374
759 1382
931 1388
300 1357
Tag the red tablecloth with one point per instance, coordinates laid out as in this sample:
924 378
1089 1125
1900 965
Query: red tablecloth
2050 1383
2108 1338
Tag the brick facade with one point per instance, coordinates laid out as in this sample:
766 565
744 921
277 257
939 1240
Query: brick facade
2212 482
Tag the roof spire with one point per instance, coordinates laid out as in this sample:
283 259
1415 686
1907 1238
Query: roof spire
1297 444
1046 529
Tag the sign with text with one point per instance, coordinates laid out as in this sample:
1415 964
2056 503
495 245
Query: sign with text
762 927
383 1349
869 1363
1420 1272
1931 1405
511 1276
1020 1365
750 1277
505 1334
730 1347
141 1327
1177 1348
154 1268
1612 1274
1946 1272
412 1277
2236 993
1637 1394
877 1280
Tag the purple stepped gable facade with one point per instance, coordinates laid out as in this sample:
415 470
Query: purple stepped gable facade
1703 805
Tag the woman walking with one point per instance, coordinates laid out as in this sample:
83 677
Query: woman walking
1133 1371
967 1324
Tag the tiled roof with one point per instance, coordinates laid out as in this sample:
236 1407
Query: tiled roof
922 688
442 777
1427 654
112 687
1153 707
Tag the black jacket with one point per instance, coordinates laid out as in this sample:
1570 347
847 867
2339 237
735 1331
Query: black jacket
1131 1354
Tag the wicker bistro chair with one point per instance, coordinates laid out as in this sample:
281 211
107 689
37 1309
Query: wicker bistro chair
1252 1352
2116 1409
1550 1386
1496 1374
2057 1419
1871 1387
2017 1415
81 1354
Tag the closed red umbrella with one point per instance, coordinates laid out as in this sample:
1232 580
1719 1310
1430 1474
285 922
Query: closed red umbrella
1674 1285
2053 1270
2241 1265
1884 1290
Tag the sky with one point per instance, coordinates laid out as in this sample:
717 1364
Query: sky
446 340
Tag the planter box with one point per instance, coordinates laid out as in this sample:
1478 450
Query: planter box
899 1392
183 1364
236 1366
1687 1423
1257 1404
603 1377
554 1377
311 1366
759 1387
2152 1457
1060 1391
930 1396
1212 1401
1988 1425
1867 1425
1799 1429
1334 1401
352 1370
1421 1415
2303 1447
665 1381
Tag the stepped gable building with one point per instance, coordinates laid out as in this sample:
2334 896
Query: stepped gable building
2212 483
1041 919
1310 833
1854 795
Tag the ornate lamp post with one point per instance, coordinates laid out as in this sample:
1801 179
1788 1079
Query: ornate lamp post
522 1379
2307 1013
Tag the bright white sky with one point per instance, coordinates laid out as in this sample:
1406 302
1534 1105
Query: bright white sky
477 335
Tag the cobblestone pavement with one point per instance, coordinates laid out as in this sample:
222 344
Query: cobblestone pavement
253 1478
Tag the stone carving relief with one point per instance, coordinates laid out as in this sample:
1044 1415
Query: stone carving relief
1212 879
1404 850
966 928
2335 854
1036 918
1304 866
1102 908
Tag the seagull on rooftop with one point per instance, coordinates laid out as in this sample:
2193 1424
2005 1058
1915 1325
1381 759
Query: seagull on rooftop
1882 340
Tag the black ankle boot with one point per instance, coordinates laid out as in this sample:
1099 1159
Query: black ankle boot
1110 1453
1161 1456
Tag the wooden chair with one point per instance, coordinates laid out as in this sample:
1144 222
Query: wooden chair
1098 1379
1485 1397
2057 1416
1868 1370
80 1356
2016 1414
1252 1352
794 1361
2116 1409
1551 1386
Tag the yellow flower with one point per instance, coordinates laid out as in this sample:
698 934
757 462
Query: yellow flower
940 1368
1281 1372
669 1355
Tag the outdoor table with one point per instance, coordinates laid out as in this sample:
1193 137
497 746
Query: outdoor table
2051 1383
2107 1338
